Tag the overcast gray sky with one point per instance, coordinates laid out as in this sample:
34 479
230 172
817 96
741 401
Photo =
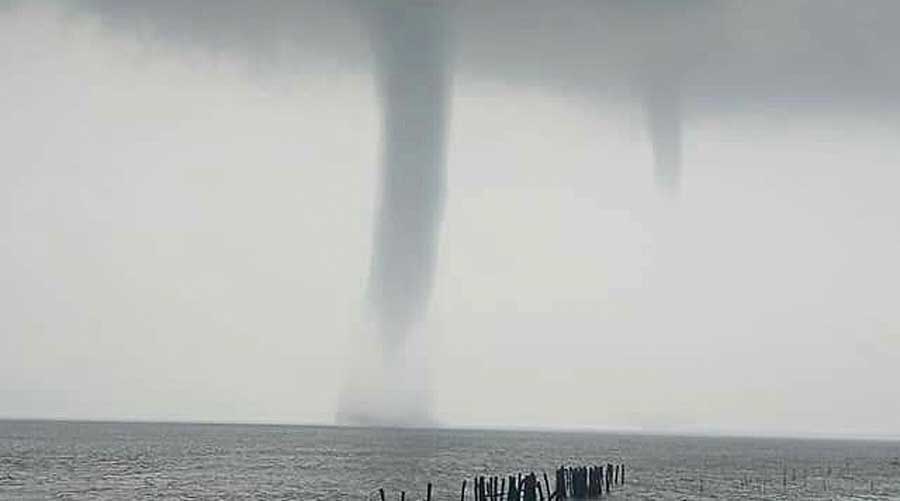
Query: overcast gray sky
187 234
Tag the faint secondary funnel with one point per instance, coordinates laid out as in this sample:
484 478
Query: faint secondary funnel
662 104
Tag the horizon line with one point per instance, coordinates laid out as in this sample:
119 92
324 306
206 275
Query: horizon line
650 432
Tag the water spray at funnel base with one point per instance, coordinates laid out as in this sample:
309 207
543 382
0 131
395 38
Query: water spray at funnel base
412 71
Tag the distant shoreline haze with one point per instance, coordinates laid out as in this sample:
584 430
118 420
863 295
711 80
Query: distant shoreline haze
662 432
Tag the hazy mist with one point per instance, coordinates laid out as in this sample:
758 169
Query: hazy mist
458 212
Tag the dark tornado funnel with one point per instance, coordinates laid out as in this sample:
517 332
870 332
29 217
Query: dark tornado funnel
412 74
412 71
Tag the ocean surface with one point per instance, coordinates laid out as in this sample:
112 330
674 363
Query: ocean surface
79 460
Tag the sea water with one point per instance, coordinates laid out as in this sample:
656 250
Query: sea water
93 460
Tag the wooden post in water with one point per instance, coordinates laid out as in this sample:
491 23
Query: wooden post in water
381 494
591 486
402 495
576 483
462 492
558 484
582 481
531 488
428 496
599 479
564 490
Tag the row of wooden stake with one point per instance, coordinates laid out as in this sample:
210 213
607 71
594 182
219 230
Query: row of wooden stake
586 482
